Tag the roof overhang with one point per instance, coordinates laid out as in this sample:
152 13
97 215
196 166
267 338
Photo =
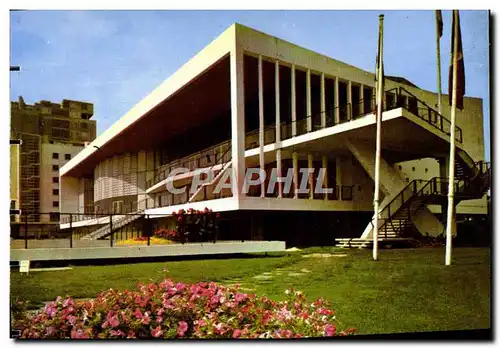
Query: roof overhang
149 123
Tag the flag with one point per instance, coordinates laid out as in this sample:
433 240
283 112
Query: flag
439 21
460 91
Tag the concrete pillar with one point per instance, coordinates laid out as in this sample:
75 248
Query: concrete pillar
324 163
349 100
311 175
295 161
308 101
294 104
278 126
361 98
323 101
261 126
338 175
391 184
277 98
81 196
279 172
336 101
237 120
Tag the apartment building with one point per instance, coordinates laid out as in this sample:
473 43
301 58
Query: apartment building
51 134
251 100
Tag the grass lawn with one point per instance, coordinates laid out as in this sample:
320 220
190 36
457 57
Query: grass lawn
406 290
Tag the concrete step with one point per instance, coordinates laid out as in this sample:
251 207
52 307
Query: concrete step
368 243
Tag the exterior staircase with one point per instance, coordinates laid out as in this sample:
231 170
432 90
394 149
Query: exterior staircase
105 230
396 217
472 181
197 196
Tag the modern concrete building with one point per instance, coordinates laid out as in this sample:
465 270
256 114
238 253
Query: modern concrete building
251 100
51 134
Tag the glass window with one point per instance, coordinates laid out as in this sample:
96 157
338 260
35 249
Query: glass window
55 192
55 179
55 155
67 156
55 168
55 204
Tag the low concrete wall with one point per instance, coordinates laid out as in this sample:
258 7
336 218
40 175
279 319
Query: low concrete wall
223 247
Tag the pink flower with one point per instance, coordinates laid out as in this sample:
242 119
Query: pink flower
72 319
330 330
182 328
50 331
79 334
117 333
138 313
68 302
112 319
157 332
50 310
236 333
146 319
202 322
180 286
239 297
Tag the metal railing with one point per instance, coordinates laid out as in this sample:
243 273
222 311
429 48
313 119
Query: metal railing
407 100
464 188
33 236
200 159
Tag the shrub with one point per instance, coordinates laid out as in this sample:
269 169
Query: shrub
174 310
167 233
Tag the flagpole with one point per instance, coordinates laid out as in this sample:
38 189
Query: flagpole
438 52
380 94
451 164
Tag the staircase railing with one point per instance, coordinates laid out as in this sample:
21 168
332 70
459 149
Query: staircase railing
401 201
432 187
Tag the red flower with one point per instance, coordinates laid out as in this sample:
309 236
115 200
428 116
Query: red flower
182 328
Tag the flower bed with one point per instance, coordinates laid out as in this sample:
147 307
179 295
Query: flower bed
144 240
171 310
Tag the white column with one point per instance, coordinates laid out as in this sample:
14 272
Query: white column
294 104
278 125
362 100
237 120
338 175
336 102
324 161
323 101
311 177
277 98
279 172
308 101
349 100
261 126
295 161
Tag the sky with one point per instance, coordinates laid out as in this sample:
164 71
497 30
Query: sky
115 58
